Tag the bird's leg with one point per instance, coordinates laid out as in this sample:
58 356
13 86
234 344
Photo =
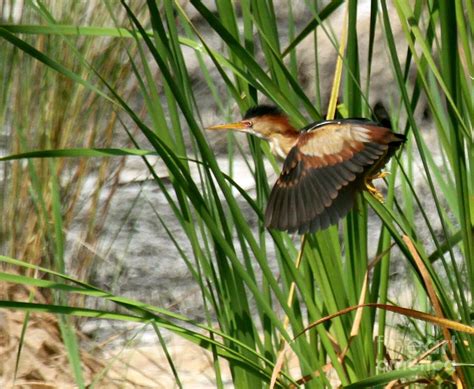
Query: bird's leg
371 188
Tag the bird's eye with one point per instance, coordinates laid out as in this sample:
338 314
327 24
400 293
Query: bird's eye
247 123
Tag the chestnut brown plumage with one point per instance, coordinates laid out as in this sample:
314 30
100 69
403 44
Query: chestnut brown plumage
326 164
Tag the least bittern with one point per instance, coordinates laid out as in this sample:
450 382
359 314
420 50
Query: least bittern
326 164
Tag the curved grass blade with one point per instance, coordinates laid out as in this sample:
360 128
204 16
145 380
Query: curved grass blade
79 152
439 321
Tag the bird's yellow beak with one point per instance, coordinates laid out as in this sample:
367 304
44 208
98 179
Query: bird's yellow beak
239 126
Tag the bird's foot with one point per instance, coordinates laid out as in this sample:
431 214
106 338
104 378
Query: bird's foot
373 190
379 175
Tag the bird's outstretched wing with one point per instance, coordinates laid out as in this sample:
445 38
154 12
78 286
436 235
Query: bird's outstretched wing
323 172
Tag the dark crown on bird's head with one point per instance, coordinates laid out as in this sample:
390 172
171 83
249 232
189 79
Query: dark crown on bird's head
261 110
271 123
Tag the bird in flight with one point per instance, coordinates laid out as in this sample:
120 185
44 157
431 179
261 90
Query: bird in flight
326 164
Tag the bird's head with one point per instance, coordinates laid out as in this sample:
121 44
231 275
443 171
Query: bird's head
264 121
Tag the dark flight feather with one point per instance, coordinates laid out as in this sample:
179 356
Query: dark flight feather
319 181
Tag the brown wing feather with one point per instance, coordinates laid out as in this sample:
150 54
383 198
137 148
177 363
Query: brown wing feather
323 172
